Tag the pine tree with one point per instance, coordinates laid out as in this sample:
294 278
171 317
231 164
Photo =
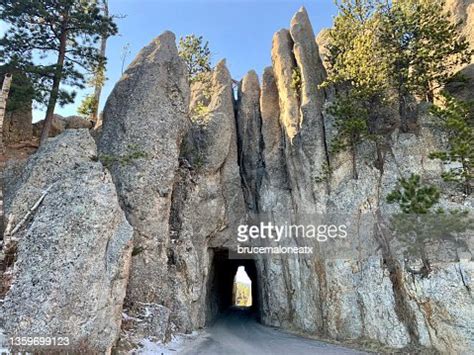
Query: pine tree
351 122
196 54
414 197
356 58
420 224
22 91
66 30
457 120
358 71
423 47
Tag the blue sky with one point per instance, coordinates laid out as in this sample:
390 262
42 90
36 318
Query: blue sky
239 30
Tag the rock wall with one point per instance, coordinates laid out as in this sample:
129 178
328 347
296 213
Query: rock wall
462 12
356 289
64 269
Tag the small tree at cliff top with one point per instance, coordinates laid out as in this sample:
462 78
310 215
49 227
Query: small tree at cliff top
457 119
66 31
196 54
419 224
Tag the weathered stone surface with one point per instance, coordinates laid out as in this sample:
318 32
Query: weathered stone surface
77 122
66 269
357 295
144 121
249 127
284 65
18 126
208 203
60 124
57 127
462 12
322 41
270 113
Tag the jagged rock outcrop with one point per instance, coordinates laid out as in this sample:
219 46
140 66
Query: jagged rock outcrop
250 142
144 121
301 105
347 290
298 71
208 203
65 269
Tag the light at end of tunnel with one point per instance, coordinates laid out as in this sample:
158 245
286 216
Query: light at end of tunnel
242 289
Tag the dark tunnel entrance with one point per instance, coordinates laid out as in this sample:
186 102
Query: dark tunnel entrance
221 282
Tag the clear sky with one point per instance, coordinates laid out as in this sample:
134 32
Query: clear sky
239 30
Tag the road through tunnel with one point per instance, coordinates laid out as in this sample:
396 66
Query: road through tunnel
221 297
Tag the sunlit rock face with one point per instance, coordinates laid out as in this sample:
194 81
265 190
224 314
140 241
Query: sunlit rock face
462 13
144 121
347 290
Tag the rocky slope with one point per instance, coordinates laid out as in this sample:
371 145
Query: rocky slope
189 165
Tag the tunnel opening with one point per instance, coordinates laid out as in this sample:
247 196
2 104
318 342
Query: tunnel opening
221 287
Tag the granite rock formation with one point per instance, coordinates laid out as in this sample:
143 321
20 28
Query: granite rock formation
65 268
192 164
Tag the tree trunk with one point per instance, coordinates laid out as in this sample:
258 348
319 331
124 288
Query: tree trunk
3 107
101 67
380 158
355 175
53 97
467 180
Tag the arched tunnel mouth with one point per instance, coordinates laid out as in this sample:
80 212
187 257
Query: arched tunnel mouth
221 300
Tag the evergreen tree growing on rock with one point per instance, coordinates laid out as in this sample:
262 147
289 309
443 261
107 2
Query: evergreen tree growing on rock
359 73
196 54
420 223
66 30
383 54
422 46
457 120
351 122
356 58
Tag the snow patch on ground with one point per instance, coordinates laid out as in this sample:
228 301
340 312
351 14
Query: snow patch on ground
3 343
177 343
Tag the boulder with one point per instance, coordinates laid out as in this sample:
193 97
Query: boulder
462 12
60 124
65 269
77 122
